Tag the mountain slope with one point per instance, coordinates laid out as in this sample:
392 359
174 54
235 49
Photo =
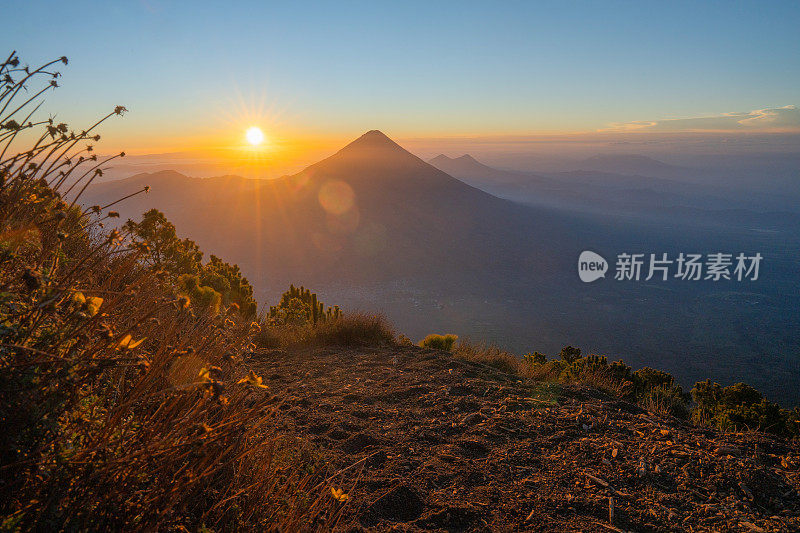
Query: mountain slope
468 168
449 445
371 211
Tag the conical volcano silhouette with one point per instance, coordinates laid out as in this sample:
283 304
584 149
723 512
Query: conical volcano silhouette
373 140
371 211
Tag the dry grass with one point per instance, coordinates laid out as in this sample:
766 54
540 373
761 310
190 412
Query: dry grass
122 408
549 371
488 354
352 329
603 380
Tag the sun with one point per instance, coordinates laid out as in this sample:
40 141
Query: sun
254 136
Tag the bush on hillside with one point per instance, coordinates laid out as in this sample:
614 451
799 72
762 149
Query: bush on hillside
201 296
439 342
570 354
535 358
653 389
299 306
741 407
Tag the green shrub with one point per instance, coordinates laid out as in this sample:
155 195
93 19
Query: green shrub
653 389
535 358
200 296
570 354
665 400
741 407
439 342
159 247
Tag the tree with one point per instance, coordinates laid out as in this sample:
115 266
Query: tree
155 236
162 249
228 280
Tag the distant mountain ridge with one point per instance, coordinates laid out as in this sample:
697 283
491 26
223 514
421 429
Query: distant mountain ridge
467 167
630 164
615 193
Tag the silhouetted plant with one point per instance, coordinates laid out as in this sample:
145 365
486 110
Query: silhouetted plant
535 358
120 409
570 354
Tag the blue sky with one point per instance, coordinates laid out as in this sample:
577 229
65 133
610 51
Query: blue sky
189 69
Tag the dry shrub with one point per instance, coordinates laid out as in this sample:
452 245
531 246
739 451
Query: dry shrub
548 371
657 404
489 355
352 329
604 380
122 407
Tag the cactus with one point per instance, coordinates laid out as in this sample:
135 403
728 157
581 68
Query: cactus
315 309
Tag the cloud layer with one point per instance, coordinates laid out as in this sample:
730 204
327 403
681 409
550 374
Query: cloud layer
783 119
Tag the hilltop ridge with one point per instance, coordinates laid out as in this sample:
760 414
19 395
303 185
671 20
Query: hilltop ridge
426 441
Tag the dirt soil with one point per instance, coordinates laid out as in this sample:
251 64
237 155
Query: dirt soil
429 442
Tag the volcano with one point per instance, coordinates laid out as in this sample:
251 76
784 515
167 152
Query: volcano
370 212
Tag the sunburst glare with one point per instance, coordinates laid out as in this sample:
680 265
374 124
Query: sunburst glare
254 136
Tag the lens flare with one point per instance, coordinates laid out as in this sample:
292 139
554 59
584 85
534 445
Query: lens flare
336 197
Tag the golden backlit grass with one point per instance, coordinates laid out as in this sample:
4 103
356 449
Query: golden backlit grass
351 330
123 407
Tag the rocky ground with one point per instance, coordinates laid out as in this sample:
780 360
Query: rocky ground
428 442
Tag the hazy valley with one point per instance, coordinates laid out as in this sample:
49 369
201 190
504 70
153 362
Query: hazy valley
376 228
